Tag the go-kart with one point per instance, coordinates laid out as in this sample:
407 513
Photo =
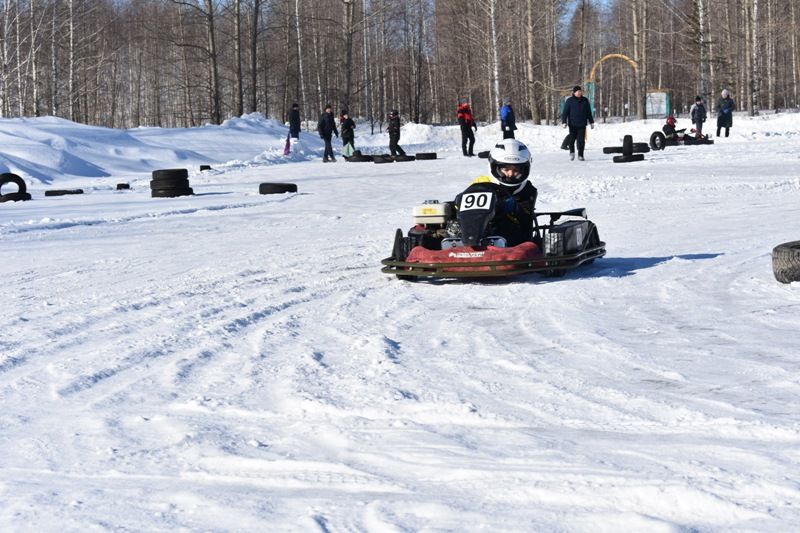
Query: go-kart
660 140
449 241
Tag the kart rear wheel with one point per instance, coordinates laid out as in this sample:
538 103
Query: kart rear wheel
402 246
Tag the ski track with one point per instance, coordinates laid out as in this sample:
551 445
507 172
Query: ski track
273 375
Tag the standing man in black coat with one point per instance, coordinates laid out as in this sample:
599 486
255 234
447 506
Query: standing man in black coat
577 113
326 128
394 133
725 107
294 122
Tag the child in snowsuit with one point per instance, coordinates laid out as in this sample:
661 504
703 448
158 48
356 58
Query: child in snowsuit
698 113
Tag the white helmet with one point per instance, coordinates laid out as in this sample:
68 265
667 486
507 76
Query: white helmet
510 152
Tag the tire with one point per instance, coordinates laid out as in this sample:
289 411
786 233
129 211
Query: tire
62 192
171 193
786 262
658 141
123 186
169 184
612 150
170 174
627 145
628 158
426 155
380 159
400 251
276 188
15 197
205 167
359 159
640 148
8 177
404 158
484 154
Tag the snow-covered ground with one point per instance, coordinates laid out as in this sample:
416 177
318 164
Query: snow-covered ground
237 362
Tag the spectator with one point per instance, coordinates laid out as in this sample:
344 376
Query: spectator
294 122
507 122
394 133
467 123
348 127
576 114
327 128
698 114
725 107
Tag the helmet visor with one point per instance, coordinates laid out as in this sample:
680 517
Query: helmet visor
511 174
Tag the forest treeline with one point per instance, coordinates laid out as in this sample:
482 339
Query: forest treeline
178 63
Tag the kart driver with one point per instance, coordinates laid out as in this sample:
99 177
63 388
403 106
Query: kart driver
510 164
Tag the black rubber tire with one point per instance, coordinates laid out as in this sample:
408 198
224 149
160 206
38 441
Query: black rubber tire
171 193
400 250
205 167
628 158
380 159
15 197
426 155
640 148
62 192
612 150
276 188
484 154
658 141
404 158
360 159
627 145
123 186
169 184
10 177
786 262
170 174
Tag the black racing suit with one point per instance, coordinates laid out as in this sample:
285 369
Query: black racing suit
513 212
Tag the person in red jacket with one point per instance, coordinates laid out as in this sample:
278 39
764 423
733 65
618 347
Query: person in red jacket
467 123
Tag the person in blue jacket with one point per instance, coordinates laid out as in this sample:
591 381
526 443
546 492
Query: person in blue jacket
577 113
507 122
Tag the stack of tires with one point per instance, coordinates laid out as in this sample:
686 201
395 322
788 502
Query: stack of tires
630 150
170 182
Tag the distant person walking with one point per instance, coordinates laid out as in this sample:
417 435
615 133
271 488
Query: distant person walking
327 128
467 123
348 127
507 121
577 113
294 122
394 133
698 113
725 107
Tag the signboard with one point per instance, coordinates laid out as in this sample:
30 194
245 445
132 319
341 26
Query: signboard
658 104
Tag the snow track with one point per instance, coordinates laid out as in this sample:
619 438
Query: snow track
236 362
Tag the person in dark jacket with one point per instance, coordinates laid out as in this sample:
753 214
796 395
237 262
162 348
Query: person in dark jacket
467 123
698 113
348 127
326 128
507 121
725 107
394 133
510 165
294 122
577 113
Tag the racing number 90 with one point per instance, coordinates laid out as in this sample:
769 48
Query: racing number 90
475 200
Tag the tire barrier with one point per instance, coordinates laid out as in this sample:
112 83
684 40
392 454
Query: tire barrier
484 154
426 155
358 157
205 167
62 192
630 150
786 262
170 183
123 186
404 158
276 188
21 195
380 159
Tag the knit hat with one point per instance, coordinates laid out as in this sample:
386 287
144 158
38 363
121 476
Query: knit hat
576 89
698 98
